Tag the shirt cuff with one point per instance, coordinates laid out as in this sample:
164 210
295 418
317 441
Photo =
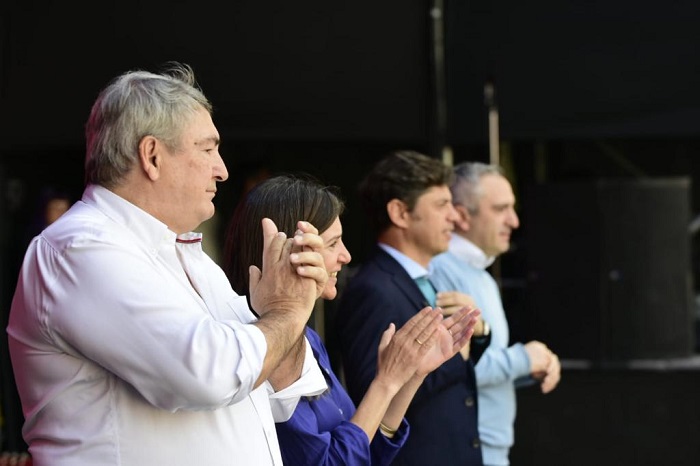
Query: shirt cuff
311 383
520 360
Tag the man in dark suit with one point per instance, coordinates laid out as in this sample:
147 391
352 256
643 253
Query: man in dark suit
409 206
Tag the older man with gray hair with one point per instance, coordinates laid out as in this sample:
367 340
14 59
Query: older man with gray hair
129 346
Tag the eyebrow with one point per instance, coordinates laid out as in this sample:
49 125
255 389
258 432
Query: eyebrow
501 205
211 139
333 238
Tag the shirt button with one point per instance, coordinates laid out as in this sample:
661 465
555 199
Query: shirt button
469 402
476 443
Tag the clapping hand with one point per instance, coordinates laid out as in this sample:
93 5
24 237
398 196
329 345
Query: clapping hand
453 334
291 278
402 351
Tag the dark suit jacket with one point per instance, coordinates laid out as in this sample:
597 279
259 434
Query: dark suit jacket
443 414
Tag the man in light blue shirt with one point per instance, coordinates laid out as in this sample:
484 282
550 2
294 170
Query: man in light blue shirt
485 204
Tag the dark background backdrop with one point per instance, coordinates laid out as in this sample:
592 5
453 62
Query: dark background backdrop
587 91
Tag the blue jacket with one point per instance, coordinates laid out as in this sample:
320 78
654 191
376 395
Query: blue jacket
319 431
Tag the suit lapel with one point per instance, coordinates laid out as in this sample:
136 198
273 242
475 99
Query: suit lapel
401 278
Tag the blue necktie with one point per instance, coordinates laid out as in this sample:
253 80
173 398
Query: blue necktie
427 289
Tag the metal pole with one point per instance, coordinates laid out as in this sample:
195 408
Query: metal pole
490 101
438 92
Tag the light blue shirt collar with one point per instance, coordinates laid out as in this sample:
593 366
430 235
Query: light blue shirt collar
469 252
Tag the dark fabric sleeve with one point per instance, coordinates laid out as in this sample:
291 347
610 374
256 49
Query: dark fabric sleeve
320 432
478 346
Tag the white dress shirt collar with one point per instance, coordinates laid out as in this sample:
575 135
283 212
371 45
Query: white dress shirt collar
142 224
469 252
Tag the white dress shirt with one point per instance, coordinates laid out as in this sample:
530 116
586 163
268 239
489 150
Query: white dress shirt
131 348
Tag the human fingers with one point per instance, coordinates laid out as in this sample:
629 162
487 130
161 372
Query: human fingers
398 355
461 326
277 279
449 310
549 382
452 301
273 242
465 350
405 354
424 332
554 363
410 323
418 324
306 227
311 258
311 265
553 375
412 341
308 241
318 273
255 275
269 229
444 299
446 346
386 337
448 299
539 356
464 318
306 237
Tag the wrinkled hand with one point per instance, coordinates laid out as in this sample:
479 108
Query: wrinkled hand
401 352
453 301
307 240
453 335
290 277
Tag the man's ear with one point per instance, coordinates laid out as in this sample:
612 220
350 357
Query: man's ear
150 156
398 212
463 216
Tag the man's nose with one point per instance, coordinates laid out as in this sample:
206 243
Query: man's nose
220 171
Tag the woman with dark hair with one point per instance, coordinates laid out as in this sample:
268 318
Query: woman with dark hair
328 429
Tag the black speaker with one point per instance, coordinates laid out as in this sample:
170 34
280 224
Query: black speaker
608 268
